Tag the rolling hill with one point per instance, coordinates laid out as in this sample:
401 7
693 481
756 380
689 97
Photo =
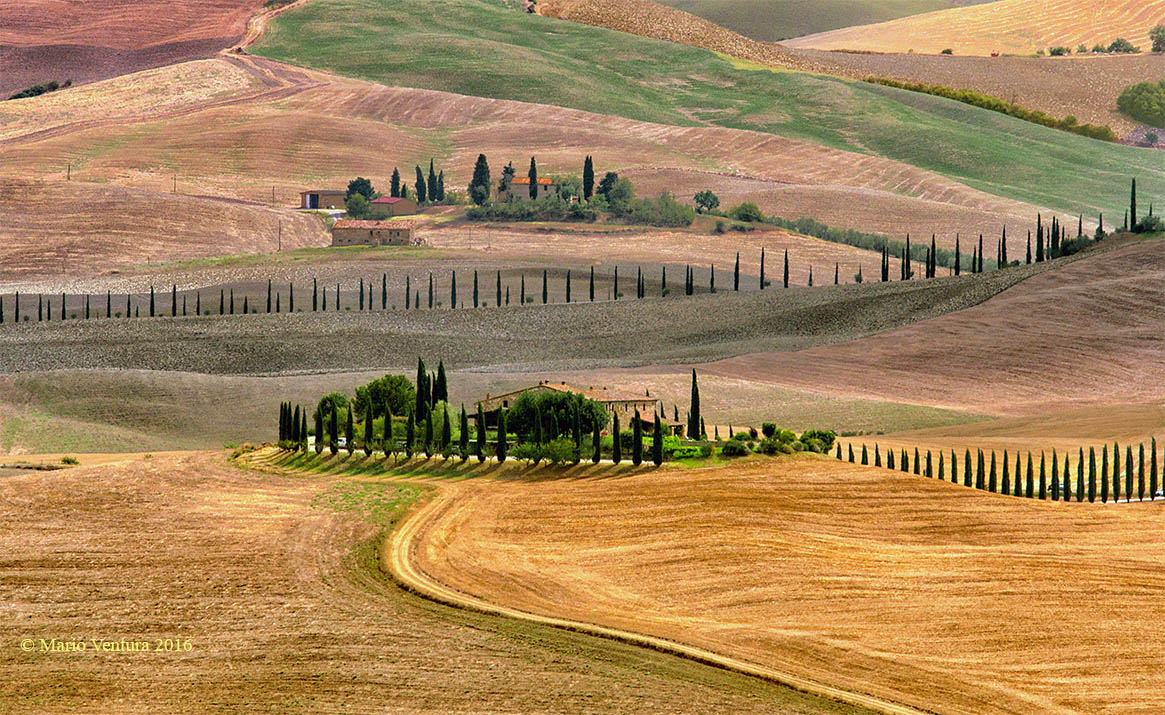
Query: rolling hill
1006 26
46 40
775 20
674 84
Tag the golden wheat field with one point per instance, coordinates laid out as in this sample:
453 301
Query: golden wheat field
1006 26
923 593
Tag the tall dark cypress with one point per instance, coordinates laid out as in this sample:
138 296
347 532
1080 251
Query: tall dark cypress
368 436
1043 478
383 291
637 440
1116 472
475 300
1005 484
1133 205
350 431
968 470
429 435
1141 472
980 471
479 433
333 432
865 453
410 434
1055 476
1031 478
498 297
917 468
1104 474
588 179
616 443
694 410
408 291
523 293
1152 469
430 292
463 435
453 290
502 444
592 284
836 272
958 256
786 268
1128 473
319 429
991 483
954 468
662 281
151 301
1018 475
762 268
545 290
596 444
736 273
1080 476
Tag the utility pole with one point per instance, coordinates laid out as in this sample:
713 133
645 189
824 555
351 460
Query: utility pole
69 172
272 195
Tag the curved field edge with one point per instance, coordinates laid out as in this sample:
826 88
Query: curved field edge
374 561
398 562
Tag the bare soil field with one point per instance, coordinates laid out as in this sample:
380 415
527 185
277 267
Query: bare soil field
300 129
74 229
1082 335
275 583
675 329
84 41
1007 26
904 588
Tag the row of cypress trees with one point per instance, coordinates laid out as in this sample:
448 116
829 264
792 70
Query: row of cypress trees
1138 477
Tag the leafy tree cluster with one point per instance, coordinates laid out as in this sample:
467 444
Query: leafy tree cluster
1144 102
38 89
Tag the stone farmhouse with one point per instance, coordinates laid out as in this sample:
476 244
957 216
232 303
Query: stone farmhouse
519 189
394 205
322 199
617 402
393 232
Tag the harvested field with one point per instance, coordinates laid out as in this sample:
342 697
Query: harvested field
74 228
585 335
1085 334
84 41
919 592
1082 87
275 582
1006 26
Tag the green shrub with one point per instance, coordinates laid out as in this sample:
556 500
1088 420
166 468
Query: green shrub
748 211
734 448
797 445
1082 50
948 51
769 429
1145 102
1059 51
1149 224
72 461
689 451
559 451
706 450
825 437
787 436
769 445
719 227
1122 46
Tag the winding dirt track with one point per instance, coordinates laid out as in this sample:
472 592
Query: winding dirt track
398 560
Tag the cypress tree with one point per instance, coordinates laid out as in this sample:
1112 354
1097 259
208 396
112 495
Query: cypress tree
592 284
368 436
109 305
277 303
1067 478
968 473
1104 475
851 454
430 293
1129 473
498 298
941 468
1005 485
991 484
1055 476
694 410
905 461
836 272
1030 477
383 292
786 268
877 455
838 455
533 174
319 445
954 468
1152 468
1133 205
269 294
333 432
501 441
762 268
917 468
1080 476
523 293
410 434
811 276
1091 474
616 446
441 384
567 285
479 433
545 294
429 435
389 440
865 454
736 273
662 281
1029 247
408 291
637 440
232 301
221 302
421 186
576 419
980 473
432 183
422 389
958 256
453 290
596 444
889 459
246 310
1043 479
929 465
475 301
588 179
151 302
394 190
1116 472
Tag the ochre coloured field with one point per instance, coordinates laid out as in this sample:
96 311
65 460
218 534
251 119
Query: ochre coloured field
71 228
275 584
46 40
1084 334
919 592
1007 26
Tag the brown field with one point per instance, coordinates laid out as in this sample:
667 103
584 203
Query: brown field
1081 335
1007 26
283 129
918 592
275 583
75 229
85 41
1083 87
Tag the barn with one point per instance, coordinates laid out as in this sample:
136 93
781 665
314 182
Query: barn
322 199
394 232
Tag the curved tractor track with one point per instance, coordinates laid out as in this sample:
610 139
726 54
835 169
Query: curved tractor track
398 560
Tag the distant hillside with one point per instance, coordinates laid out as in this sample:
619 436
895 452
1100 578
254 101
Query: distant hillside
773 20
1007 26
